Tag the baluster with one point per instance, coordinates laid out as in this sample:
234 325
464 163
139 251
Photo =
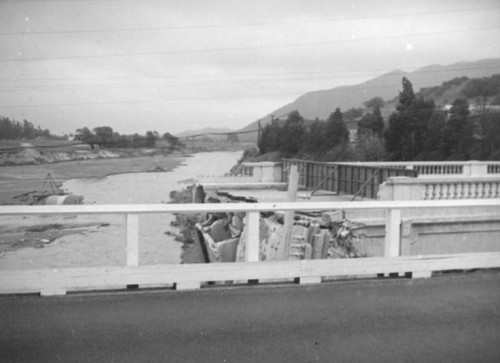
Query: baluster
446 190
460 190
470 190
455 191
475 189
484 190
441 194
493 190
479 190
465 190
427 192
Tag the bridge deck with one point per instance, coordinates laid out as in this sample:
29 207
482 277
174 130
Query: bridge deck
444 319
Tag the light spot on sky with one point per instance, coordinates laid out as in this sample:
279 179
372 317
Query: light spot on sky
409 47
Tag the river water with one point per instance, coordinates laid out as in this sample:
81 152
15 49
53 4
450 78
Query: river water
106 245
150 188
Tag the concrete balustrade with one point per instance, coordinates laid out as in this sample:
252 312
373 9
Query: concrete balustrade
58 281
402 188
265 171
452 169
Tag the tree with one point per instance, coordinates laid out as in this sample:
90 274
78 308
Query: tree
270 139
432 147
151 138
491 142
353 113
314 139
406 135
454 141
86 136
374 102
29 130
406 96
336 130
369 148
173 141
371 123
103 136
293 134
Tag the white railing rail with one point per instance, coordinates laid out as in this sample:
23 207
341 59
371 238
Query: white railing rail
51 281
401 188
431 169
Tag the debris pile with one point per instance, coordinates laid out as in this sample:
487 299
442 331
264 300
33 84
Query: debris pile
222 236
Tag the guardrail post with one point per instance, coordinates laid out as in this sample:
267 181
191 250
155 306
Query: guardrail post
132 239
252 250
392 233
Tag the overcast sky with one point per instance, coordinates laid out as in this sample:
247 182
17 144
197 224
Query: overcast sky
186 64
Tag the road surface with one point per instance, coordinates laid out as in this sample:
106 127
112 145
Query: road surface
449 318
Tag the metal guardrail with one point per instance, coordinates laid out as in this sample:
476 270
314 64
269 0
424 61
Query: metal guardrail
344 178
58 281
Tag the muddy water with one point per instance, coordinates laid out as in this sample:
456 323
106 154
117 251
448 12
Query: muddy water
146 188
105 246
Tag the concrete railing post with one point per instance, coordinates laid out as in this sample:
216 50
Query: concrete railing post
132 239
252 249
392 233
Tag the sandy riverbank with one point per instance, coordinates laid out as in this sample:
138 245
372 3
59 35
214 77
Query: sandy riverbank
29 232
69 241
15 180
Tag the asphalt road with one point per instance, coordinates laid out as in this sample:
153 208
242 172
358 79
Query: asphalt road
443 319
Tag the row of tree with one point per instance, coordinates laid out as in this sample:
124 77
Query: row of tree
417 130
12 130
105 137
295 138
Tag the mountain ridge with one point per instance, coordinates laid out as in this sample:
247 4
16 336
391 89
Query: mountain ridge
321 103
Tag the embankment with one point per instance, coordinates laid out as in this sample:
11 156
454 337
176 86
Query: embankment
25 177
31 155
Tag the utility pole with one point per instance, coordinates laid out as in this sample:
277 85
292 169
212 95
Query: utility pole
259 133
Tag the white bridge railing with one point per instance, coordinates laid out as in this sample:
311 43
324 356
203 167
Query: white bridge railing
452 169
190 276
401 188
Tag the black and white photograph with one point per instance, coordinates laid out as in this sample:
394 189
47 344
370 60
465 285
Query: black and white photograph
249 181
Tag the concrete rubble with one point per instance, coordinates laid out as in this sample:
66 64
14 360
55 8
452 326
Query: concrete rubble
222 236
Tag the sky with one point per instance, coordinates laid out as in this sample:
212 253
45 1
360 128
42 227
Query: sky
171 66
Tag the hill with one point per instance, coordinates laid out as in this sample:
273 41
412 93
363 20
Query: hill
320 104
210 132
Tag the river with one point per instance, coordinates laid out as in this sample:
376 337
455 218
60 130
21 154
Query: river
106 245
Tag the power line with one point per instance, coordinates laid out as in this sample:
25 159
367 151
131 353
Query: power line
147 101
239 25
246 48
360 87
219 134
121 85
258 76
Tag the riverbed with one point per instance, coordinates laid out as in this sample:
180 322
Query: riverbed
105 244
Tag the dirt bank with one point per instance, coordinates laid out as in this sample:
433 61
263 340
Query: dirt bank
14 236
15 180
